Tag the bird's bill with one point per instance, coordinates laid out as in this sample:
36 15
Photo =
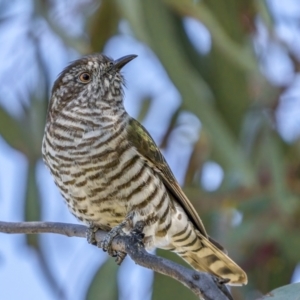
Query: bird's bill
121 62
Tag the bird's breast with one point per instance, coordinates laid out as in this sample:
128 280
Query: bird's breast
103 177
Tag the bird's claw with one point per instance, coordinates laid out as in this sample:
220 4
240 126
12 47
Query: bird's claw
90 234
106 244
120 256
137 232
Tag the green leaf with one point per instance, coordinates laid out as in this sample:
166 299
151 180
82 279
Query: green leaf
287 292
132 11
104 24
167 288
35 121
32 203
13 132
146 103
196 94
237 54
104 284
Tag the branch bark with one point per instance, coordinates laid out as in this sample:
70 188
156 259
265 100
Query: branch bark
204 285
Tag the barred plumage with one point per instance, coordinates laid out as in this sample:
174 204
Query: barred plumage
107 166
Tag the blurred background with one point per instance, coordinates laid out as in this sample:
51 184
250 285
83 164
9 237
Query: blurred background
217 85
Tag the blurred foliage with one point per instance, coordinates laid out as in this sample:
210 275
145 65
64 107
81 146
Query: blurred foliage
100 285
165 288
291 292
236 104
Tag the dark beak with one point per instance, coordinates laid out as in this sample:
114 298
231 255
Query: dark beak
121 62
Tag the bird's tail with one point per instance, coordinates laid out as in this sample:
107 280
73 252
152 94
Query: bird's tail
203 255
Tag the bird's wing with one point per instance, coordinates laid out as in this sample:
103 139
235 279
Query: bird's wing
145 145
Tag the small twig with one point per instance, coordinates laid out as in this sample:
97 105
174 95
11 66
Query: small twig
204 285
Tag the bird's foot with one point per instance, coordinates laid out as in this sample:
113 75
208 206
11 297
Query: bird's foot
136 237
105 244
136 233
90 234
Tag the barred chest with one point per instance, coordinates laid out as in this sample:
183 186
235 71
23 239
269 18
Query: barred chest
100 175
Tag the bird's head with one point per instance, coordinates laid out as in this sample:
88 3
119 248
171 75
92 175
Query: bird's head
89 82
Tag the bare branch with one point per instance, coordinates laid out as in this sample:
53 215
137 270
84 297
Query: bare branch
204 285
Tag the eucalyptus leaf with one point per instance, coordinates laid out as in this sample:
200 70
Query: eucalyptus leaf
287 292
104 284
13 132
167 288
32 202
144 109
103 24
196 94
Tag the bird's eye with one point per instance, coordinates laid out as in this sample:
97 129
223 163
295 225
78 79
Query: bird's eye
85 77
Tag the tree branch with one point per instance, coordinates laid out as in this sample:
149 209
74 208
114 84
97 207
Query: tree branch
204 285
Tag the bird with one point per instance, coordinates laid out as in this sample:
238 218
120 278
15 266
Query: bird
112 174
